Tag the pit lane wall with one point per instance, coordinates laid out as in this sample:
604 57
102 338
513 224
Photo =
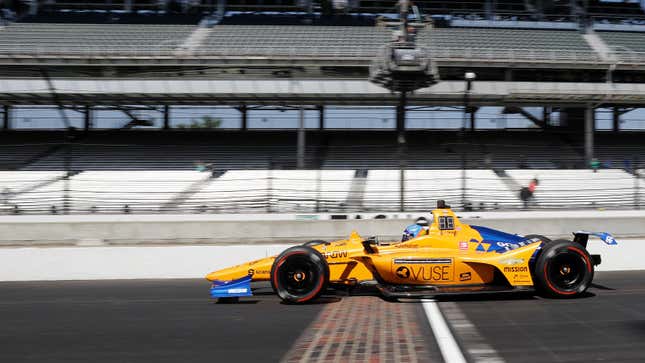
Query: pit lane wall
189 246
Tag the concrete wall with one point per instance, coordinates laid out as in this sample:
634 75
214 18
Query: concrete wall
139 262
222 230
115 247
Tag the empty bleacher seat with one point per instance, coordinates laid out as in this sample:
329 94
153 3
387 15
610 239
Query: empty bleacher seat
506 43
273 190
626 45
19 190
606 188
423 187
92 39
283 41
142 191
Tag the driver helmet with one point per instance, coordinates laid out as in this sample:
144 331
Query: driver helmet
420 227
422 221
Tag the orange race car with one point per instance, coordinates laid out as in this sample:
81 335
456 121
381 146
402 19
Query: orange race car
438 257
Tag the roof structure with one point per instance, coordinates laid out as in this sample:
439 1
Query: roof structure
308 92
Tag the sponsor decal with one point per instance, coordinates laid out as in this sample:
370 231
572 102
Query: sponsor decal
434 273
425 273
405 245
240 290
422 261
516 269
521 278
335 254
465 276
463 245
512 261
263 272
508 246
403 272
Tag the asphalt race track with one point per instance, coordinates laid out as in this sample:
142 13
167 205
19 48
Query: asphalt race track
174 321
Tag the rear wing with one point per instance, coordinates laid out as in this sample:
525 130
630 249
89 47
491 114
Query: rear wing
582 237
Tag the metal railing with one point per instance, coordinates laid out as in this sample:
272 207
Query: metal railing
135 51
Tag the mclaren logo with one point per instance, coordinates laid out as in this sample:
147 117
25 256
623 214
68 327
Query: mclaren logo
403 272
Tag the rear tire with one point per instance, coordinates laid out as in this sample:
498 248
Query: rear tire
299 274
564 269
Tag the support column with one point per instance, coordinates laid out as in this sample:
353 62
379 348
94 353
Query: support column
489 7
546 116
301 139
401 146
221 9
87 119
589 134
402 186
127 6
616 118
33 7
472 111
321 117
400 113
245 118
637 201
6 117
166 117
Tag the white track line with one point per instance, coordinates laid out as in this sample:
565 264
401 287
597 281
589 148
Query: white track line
447 344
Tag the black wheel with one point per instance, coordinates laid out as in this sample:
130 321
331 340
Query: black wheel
299 274
563 269
315 242
538 236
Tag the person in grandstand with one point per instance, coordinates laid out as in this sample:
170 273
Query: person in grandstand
421 227
526 193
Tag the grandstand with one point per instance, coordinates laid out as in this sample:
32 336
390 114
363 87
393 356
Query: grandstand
95 39
547 78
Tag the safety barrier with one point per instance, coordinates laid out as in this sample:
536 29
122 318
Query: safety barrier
120 247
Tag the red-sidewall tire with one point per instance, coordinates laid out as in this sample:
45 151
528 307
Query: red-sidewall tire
299 274
564 269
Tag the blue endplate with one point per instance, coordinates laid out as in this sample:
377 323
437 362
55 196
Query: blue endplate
604 236
234 288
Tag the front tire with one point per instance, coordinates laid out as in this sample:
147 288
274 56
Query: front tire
299 274
564 269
